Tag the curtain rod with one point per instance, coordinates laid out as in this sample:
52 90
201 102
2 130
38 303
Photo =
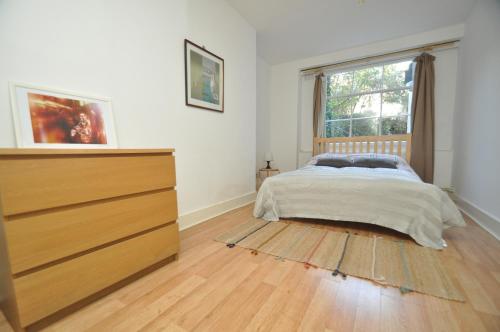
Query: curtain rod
425 48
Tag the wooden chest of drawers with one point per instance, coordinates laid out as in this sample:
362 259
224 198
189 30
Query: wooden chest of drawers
75 222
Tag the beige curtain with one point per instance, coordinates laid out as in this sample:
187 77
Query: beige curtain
318 105
422 113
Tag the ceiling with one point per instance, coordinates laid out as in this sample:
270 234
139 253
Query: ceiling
295 29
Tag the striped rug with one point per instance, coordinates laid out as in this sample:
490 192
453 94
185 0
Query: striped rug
388 262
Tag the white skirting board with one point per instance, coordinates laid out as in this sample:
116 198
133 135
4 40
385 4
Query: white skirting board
196 217
481 217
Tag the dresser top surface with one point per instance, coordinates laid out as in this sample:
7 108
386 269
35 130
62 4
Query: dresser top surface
44 151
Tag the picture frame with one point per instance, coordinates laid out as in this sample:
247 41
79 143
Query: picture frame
53 118
204 78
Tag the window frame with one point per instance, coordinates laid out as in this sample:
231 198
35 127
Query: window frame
379 91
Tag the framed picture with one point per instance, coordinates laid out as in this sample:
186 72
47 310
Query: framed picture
204 78
48 118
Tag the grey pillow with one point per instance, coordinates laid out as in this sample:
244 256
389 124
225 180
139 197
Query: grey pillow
362 162
375 162
383 163
337 162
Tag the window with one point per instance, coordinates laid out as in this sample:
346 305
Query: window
369 101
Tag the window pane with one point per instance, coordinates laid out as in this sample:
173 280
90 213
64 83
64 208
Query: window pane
365 127
328 129
367 106
398 75
396 102
339 107
367 79
338 128
339 84
395 125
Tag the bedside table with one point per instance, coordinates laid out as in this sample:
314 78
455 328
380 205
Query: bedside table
265 173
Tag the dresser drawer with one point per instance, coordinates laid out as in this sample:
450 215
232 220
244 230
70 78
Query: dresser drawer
31 183
40 238
44 292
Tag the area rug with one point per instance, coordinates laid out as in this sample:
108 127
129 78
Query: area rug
389 262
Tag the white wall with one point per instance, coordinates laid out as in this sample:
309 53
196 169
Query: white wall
291 99
132 52
263 120
477 159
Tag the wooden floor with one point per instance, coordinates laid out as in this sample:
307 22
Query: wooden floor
214 288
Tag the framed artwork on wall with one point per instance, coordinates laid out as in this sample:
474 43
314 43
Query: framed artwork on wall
204 76
49 118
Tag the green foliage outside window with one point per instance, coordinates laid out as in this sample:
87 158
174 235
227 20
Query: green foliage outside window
369 101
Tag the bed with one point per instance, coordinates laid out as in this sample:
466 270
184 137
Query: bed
395 198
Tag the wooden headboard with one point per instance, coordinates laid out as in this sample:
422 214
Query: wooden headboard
390 144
